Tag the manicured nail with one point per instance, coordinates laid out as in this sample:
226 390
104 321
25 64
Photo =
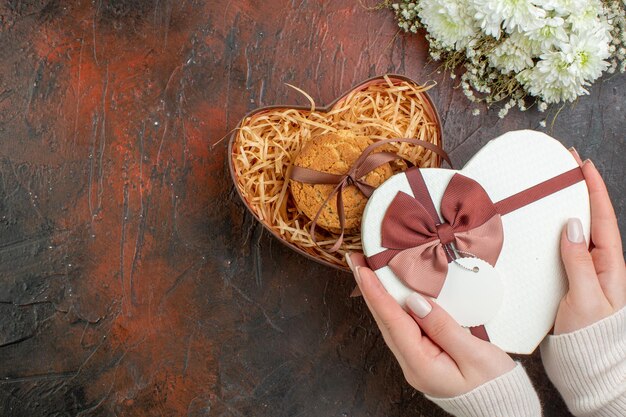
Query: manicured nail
574 151
349 261
588 161
575 230
418 305
357 275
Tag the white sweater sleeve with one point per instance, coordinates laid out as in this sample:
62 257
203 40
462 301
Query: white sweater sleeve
588 367
511 395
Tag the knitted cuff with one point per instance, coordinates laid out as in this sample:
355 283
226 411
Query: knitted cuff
511 395
588 367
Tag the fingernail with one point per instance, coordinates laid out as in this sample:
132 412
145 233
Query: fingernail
349 261
418 305
357 275
575 230
574 151
588 161
355 270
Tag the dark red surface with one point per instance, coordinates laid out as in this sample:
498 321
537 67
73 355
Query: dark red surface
132 281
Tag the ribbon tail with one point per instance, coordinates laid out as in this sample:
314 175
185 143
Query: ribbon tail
484 241
364 187
319 212
479 332
342 218
311 176
356 292
422 268
373 161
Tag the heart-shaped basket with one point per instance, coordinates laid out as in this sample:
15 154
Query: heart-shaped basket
268 139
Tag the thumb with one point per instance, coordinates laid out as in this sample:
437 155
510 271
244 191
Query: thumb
581 273
442 329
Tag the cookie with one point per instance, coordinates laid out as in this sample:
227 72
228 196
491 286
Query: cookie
334 153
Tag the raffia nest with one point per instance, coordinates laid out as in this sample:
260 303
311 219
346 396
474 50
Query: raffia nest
267 141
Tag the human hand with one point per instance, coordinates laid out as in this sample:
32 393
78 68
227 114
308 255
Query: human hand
437 356
597 279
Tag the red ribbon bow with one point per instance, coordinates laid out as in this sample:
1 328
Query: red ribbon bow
418 242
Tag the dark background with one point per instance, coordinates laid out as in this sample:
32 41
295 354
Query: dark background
132 281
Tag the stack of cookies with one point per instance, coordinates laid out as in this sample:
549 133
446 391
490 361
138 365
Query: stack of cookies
334 153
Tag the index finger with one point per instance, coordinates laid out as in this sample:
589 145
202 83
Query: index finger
400 331
604 228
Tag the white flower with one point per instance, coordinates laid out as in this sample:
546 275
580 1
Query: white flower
587 54
555 49
585 17
561 75
495 15
552 79
449 21
563 7
513 54
550 34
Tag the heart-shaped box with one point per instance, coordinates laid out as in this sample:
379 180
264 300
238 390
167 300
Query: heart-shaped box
532 278
339 109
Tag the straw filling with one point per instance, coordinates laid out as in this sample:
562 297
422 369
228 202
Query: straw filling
267 143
